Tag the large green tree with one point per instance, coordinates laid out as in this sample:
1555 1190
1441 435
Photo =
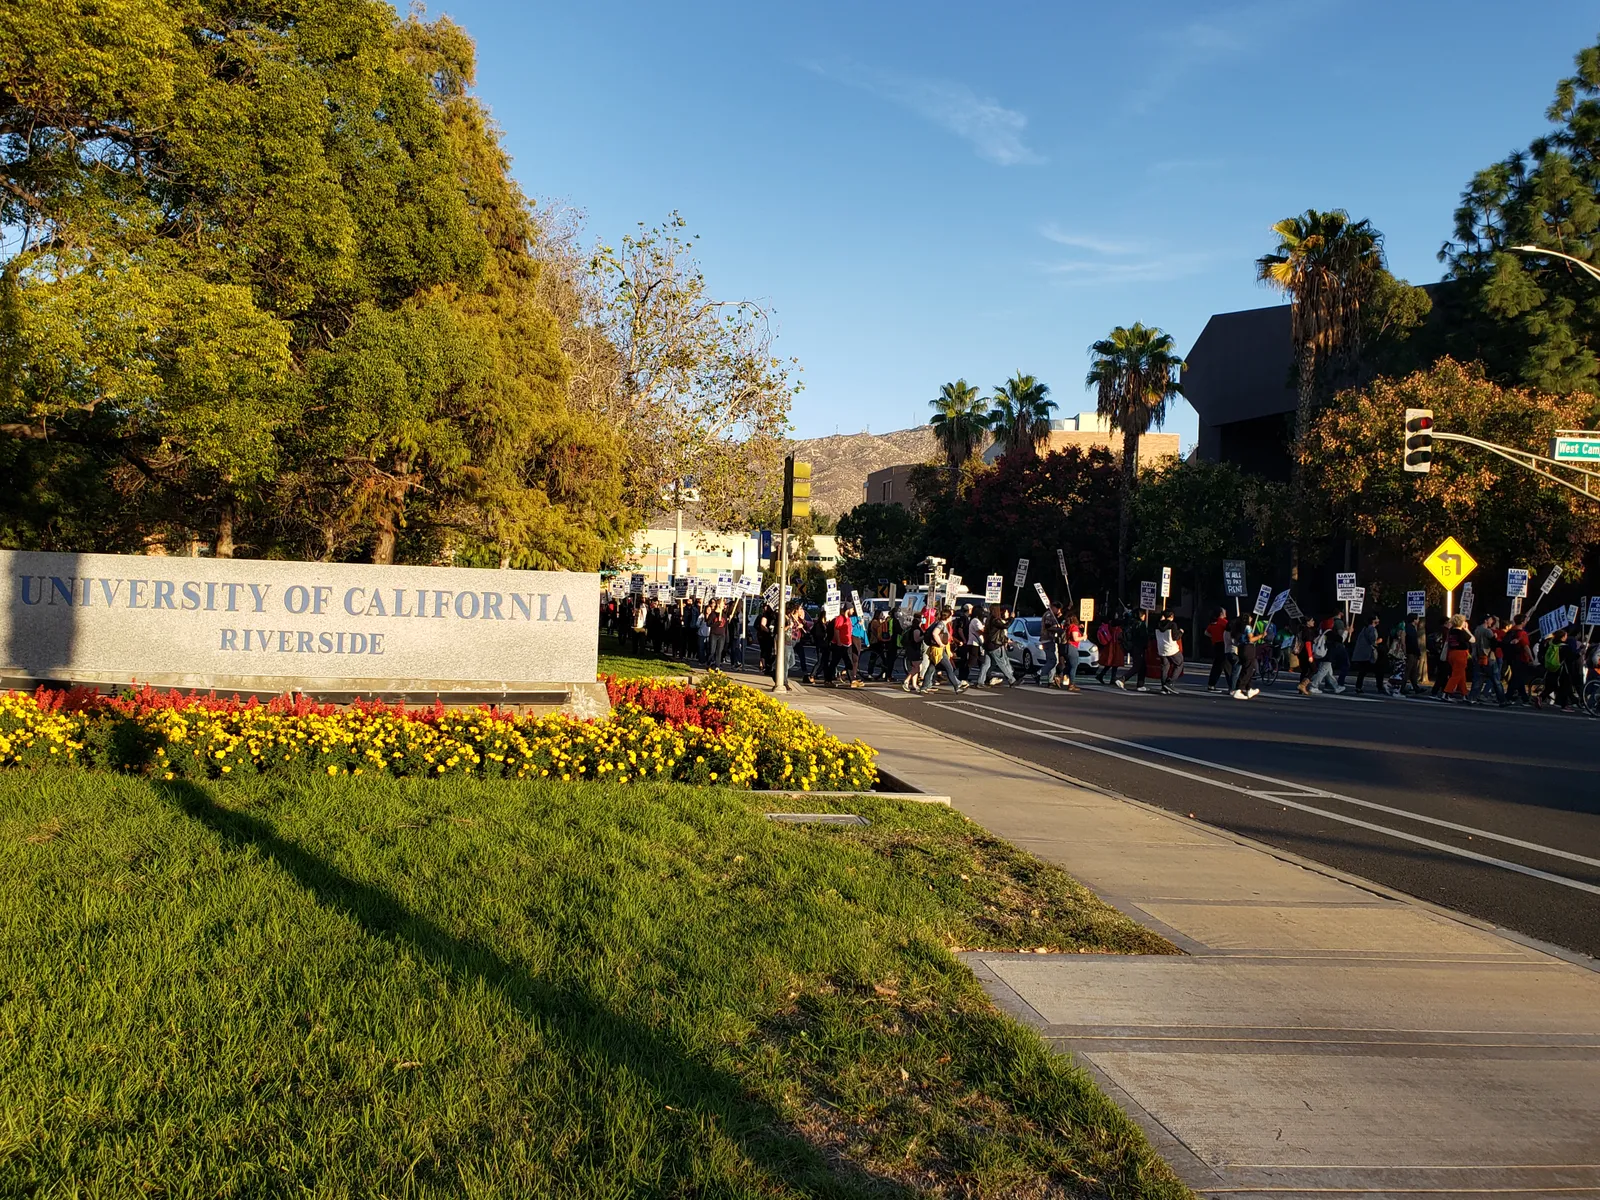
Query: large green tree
1134 373
270 285
1193 515
1534 319
1504 515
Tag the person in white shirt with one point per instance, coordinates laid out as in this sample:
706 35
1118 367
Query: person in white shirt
1169 647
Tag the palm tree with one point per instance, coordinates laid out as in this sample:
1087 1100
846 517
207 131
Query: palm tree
1134 373
1327 264
1020 417
959 422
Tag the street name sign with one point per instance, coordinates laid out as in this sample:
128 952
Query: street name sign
1233 576
1575 445
1450 563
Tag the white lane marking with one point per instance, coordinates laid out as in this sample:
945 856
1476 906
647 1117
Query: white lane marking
1288 787
1286 802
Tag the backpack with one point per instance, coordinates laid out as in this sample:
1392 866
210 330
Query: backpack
1319 648
1552 655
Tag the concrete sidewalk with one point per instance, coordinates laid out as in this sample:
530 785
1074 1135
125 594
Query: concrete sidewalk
1322 1037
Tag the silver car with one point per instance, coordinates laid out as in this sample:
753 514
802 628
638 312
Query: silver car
1027 653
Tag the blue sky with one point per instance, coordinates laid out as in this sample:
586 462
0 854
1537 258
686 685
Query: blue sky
926 191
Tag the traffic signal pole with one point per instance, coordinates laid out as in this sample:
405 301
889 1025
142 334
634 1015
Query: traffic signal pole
796 503
1420 435
781 674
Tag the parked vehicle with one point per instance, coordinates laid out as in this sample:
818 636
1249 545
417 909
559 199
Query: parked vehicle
1027 652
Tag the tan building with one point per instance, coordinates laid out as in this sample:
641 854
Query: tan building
1088 430
892 485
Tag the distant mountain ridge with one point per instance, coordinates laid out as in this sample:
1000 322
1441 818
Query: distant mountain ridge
841 463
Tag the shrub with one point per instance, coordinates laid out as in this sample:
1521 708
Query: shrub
717 734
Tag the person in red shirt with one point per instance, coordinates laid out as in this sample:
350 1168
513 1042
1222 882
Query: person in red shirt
1518 654
1217 631
844 648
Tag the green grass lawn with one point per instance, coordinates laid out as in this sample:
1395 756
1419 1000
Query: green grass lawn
616 658
418 988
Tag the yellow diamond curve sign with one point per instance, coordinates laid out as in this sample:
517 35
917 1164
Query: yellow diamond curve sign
1450 563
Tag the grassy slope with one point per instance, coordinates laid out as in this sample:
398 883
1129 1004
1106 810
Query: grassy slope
616 659
346 987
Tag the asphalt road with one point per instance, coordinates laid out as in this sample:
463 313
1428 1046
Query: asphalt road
1491 812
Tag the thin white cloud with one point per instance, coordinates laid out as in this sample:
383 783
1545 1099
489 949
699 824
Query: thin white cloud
1150 269
1091 242
1221 37
1189 166
992 129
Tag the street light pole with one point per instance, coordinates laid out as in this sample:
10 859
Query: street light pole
1557 254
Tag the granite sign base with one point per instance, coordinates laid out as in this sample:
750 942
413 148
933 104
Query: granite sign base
589 701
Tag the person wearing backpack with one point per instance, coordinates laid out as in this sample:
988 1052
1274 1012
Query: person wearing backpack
941 650
1518 654
1307 648
1365 655
1557 689
996 648
1109 638
1136 640
1242 634
1324 652
911 642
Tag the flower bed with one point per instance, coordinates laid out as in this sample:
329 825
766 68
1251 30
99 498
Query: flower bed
717 733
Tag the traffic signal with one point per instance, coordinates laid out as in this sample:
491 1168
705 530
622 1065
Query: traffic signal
796 490
1419 439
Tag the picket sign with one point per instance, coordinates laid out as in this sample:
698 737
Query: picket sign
830 608
1022 572
1550 581
1147 594
1061 561
1553 620
1293 609
1278 602
1593 617
1416 603
1517 582
1467 599
1086 609
1043 598
992 588
1166 582
1344 585
1358 600
1263 598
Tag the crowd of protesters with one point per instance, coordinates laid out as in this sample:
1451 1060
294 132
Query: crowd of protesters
1487 661
710 633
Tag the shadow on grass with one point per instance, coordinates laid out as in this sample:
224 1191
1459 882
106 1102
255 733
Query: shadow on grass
567 1013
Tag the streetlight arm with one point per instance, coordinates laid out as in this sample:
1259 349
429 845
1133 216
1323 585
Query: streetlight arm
1556 254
